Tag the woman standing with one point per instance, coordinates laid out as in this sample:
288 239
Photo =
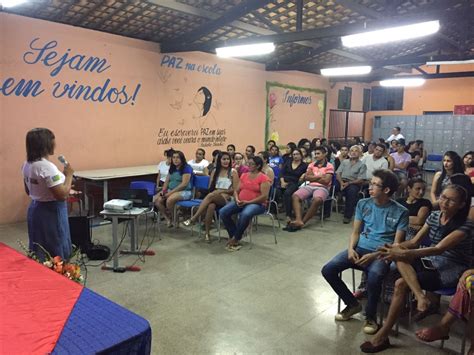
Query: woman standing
177 186
48 188
223 179
250 199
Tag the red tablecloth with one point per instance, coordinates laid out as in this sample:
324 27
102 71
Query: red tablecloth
35 303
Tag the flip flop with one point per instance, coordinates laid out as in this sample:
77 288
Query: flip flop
430 335
418 316
292 229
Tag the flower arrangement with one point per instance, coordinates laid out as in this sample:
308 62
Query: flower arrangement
69 268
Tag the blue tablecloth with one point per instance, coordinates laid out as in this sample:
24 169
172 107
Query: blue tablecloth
99 326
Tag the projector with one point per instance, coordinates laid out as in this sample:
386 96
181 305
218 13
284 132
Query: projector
117 205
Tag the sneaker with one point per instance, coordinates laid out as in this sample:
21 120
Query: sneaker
346 220
370 326
348 312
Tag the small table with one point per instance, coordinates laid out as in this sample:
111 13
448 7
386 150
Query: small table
132 215
104 175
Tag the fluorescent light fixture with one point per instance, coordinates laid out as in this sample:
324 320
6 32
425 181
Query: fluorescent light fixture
11 3
245 50
449 62
407 82
391 34
343 71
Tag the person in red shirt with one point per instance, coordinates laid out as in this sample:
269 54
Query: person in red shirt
250 199
318 178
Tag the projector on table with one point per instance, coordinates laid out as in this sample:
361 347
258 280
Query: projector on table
117 205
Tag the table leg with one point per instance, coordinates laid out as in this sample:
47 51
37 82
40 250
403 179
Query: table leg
106 191
86 197
133 241
115 262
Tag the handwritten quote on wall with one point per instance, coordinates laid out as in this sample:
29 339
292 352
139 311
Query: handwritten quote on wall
46 54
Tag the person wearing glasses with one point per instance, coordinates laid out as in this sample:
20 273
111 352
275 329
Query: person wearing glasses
292 175
378 221
437 266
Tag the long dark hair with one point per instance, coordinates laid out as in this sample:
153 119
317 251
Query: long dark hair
39 143
218 169
457 168
173 167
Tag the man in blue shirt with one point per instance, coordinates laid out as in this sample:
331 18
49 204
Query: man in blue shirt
378 220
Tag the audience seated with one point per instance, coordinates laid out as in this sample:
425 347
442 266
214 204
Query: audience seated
270 144
291 176
266 169
221 189
239 164
396 135
467 162
452 164
176 187
351 175
370 149
375 161
163 169
306 155
378 221
249 153
318 177
198 164
212 165
275 160
250 199
290 147
437 266
402 159
231 150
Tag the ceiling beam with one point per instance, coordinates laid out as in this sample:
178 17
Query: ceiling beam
87 13
463 74
334 31
233 14
299 15
110 15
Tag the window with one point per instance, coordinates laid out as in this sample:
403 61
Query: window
344 99
366 101
386 99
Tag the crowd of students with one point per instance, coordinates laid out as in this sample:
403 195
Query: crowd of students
389 226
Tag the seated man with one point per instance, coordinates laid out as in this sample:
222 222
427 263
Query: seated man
402 159
379 220
319 176
351 177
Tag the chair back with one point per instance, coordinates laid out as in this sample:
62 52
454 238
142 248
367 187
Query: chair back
201 182
433 162
149 186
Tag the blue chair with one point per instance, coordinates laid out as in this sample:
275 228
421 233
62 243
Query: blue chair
199 182
433 164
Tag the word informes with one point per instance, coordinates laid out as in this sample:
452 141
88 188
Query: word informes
178 63
296 99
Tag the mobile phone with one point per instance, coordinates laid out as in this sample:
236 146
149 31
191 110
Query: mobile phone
427 264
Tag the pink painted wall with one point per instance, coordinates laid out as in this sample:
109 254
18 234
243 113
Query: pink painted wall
106 134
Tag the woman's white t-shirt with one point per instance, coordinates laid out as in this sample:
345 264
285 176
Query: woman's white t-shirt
39 177
198 167
163 169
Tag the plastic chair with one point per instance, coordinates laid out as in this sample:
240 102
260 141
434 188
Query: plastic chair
331 197
199 182
433 164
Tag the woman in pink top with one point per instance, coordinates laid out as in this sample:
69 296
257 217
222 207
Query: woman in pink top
250 198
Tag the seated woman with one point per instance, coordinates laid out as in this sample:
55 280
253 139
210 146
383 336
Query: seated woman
210 168
306 156
239 164
223 179
266 169
177 186
437 266
452 164
418 207
198 164
163 169
291 177
460 307
468 164
290 147
275 160
250 199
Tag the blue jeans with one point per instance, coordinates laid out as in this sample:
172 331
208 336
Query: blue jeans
376 272
246 213
351 193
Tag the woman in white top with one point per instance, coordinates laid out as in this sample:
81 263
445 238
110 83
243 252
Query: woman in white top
221 188
164 168
48 188
198 164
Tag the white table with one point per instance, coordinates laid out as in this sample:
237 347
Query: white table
104 175
133 216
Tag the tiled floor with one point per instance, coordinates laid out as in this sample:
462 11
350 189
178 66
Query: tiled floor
271 299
